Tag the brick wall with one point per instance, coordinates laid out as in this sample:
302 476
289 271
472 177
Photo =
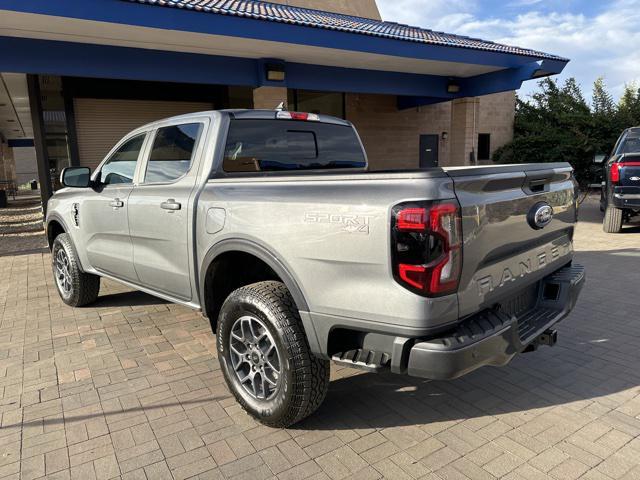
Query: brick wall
391 136
360 8
269 97
497 114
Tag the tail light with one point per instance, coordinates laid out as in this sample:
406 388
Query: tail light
427 247
614 173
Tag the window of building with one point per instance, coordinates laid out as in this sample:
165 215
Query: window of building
282 145
121 166
55 125
325 103
172 152
484 146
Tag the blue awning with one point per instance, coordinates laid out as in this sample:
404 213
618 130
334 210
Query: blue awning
230 42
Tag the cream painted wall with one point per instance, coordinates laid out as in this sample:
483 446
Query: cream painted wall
360 8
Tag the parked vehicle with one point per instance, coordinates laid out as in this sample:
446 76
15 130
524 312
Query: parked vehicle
272 225
620 198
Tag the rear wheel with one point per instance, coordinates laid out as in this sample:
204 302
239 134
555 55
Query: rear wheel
613 218
265 356
75 287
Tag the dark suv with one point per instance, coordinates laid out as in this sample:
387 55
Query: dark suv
620 198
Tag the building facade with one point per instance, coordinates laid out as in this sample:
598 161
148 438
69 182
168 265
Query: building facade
94 71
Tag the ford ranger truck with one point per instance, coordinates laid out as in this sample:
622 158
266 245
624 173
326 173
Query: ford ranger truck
271 224
620 199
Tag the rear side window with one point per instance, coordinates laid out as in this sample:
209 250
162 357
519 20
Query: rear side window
172 152
286 145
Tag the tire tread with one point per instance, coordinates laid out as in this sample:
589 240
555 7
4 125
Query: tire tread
613 218
310 373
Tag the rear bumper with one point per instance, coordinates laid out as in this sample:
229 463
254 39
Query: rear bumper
626 197
493 337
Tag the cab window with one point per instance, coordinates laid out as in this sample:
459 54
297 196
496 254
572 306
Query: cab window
172 152
121 166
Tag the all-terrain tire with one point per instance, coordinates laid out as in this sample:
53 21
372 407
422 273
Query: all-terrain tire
84 287
613 218
303 379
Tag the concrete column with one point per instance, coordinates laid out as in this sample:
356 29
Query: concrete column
463 137
269 97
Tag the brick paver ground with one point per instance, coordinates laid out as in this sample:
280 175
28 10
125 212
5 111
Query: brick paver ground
131 387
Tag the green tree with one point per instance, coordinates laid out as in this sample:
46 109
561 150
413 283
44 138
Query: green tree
555 125
558 124
628 114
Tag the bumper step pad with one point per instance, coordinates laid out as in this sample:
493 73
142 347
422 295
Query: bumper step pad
363 359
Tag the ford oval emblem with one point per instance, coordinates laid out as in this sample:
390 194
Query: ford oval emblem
635 179
540 215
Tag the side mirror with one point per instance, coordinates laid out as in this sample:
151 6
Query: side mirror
76 177
599 158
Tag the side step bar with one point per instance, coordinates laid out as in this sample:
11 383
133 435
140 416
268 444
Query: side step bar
367 360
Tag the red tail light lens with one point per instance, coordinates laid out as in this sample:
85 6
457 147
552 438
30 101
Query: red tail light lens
427 250
614 172
412 220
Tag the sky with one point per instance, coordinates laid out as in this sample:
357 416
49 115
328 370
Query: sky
601 37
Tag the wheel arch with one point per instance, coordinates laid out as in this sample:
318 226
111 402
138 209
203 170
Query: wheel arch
54 227
261 254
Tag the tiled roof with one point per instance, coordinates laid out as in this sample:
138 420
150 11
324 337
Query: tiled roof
273 12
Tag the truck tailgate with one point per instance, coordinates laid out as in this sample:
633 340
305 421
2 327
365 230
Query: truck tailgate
505 252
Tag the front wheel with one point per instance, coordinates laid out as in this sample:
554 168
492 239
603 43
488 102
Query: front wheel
75 287
613 219
265 356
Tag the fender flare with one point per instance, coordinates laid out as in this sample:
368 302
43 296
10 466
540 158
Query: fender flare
258 251
54 216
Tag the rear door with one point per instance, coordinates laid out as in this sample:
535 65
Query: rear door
510 240
160 208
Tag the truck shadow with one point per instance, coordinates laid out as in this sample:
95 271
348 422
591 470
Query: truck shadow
594 367
134 298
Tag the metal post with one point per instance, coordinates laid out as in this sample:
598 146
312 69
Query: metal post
39 140
70 118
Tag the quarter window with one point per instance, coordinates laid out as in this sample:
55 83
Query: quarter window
172 152
121 166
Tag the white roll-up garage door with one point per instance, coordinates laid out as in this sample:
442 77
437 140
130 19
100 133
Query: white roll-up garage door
101 123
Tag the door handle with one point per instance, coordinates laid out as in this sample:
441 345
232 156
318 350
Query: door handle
116 203
170 204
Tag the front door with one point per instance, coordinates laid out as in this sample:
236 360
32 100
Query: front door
429 151
103 212
160 210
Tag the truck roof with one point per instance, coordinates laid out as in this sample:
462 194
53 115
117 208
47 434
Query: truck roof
246 114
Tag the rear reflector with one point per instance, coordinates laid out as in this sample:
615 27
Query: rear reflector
616 167
305 117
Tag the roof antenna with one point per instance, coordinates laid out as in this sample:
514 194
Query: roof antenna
280 107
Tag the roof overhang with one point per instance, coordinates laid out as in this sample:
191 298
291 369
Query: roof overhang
96 38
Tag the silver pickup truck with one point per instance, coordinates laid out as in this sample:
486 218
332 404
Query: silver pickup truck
270 223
